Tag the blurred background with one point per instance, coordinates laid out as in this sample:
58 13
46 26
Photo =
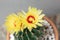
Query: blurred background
50 7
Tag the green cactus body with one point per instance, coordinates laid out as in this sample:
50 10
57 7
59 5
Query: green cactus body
34 34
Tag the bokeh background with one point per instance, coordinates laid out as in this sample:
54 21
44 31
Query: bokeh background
50 7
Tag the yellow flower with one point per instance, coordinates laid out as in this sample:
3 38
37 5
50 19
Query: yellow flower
32 18
13 23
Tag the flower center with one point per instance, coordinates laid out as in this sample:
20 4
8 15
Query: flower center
30 19
15 23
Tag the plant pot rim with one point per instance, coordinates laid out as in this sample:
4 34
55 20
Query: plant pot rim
51 23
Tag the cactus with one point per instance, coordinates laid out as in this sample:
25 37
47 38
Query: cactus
34 34
26 25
